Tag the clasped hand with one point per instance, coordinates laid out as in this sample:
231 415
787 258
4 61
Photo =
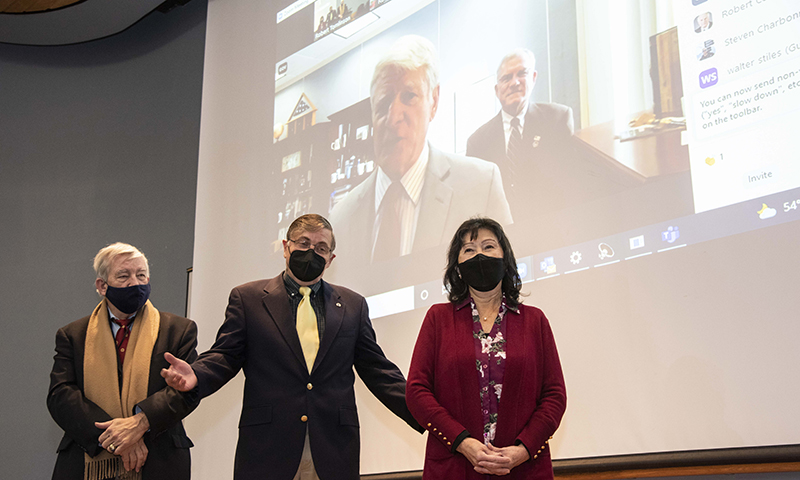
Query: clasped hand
491 460
126 436
134 457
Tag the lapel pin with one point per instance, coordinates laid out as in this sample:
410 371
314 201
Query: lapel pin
338 304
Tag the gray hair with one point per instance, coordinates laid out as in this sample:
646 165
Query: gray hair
522 53
105 257
409 53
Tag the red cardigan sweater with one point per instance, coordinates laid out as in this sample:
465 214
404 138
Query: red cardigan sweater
442 391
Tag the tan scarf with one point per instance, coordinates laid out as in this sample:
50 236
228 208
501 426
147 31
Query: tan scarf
101 384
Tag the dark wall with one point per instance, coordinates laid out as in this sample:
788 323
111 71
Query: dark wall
98 143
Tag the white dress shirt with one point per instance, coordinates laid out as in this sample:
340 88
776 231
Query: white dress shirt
409 208
114 325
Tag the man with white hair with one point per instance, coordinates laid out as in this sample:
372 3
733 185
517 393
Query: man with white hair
524 136
545 169
703 22
120 419
418 195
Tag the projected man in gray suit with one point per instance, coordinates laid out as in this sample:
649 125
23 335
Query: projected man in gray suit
418 196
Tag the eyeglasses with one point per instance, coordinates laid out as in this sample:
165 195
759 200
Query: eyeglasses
507 78
321 248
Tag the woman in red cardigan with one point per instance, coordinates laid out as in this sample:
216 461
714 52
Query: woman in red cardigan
485 379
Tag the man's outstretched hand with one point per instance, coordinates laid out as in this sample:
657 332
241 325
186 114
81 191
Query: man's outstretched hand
179 375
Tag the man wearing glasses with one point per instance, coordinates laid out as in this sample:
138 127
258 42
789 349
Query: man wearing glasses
527 140
297 338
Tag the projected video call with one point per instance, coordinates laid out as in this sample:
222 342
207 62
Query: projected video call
640 156
572 140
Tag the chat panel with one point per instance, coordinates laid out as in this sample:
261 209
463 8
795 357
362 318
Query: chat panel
742 97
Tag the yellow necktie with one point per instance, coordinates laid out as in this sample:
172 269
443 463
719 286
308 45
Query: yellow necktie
307 328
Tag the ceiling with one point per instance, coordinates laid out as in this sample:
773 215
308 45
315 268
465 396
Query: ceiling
28 6
63 22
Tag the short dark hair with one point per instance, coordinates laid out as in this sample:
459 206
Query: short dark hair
457 289
310 222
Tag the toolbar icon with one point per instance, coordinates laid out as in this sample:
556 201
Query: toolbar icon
766 212
548 265
522 270
670 234
605 251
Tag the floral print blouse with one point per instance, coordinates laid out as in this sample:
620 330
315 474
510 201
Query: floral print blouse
490 360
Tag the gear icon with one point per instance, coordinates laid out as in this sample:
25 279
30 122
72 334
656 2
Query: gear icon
575 258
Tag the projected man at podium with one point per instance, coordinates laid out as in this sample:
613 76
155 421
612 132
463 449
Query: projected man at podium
524 137
418 194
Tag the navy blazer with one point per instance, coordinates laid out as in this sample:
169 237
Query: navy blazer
281 398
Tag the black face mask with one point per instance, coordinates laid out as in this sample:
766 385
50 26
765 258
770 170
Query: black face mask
306 265
481 272
128 299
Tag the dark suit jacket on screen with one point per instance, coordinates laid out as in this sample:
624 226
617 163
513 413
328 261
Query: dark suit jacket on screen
556 172
166 441
547 140
551 122
259 335
444 390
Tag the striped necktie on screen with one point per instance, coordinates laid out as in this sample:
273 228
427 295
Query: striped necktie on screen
514 149
387 245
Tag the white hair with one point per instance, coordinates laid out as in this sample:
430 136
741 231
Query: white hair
105 257
522 53
409 53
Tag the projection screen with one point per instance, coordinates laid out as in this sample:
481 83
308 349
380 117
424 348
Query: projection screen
660 238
